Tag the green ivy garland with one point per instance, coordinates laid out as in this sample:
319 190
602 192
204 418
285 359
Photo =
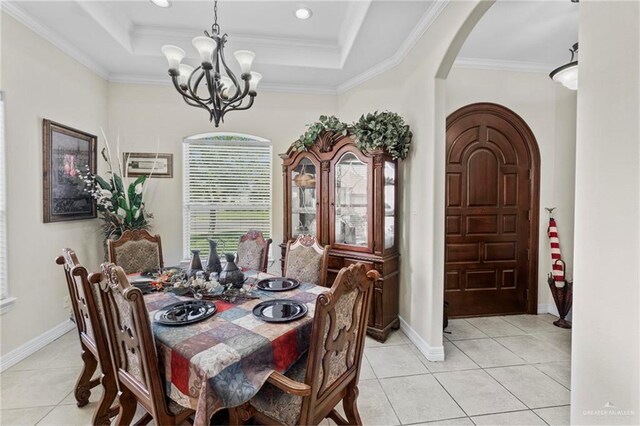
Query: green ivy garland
385 130
324 123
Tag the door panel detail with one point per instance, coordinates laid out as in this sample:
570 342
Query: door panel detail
492 178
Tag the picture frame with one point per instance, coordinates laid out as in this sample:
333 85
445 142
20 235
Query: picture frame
142 163
64 151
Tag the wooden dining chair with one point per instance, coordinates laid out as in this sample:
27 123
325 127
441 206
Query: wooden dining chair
93 341
136 251
306 260
253 251
313 387
134 351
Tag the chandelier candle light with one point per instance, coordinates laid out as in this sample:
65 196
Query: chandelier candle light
226 92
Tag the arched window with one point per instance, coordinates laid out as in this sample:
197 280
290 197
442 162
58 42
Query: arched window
227 189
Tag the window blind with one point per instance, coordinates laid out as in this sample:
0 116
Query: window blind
227 191
4 290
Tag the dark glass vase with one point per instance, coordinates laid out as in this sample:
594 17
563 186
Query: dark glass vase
213 261
230 273
195 265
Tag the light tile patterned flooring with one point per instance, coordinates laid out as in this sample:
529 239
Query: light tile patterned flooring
512 370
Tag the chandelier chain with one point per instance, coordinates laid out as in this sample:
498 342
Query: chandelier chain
215 27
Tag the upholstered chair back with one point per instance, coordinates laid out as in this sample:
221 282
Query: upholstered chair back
130 338
253 251
136 251
306 260
337 342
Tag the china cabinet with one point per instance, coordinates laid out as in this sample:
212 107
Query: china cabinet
348 200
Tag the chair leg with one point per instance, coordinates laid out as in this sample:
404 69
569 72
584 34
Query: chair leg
109 393
128 406
350 405
83 385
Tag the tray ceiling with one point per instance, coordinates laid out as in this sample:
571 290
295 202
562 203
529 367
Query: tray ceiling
342 45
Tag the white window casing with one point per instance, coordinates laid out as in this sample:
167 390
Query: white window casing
5 300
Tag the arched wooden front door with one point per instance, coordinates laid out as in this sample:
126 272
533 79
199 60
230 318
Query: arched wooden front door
491 217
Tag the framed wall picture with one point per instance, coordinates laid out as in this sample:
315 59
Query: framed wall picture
148 164
65 150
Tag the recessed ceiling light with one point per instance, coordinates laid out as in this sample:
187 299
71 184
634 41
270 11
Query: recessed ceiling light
161 3
303 13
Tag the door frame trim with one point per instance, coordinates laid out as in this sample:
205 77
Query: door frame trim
534 202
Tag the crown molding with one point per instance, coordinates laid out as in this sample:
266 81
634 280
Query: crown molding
428 18
19 15
502 65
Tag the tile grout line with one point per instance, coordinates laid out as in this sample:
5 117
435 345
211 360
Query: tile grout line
526 363
507 389
451 396
498 366
370 366
510 412
551 377
46 414
389 401
441 420
540 417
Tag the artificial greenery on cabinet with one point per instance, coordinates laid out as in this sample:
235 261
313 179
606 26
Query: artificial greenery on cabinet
373 131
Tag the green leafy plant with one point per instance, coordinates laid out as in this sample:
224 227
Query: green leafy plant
324 123
385 130
120 203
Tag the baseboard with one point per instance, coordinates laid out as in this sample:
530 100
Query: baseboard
432 353
550 308
547 308
15 356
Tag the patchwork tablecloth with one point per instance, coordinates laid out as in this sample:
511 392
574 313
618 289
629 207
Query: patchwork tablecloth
223 361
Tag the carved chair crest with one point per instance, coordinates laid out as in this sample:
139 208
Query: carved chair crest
136 251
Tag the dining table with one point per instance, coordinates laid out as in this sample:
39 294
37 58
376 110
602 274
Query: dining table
223 361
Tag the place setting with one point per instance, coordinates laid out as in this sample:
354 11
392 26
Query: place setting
205 289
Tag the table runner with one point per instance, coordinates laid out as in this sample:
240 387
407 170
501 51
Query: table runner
223 361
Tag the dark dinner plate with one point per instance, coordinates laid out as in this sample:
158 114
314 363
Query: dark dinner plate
277 284
186 312
280 310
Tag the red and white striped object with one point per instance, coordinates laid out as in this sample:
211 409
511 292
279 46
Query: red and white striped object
557 270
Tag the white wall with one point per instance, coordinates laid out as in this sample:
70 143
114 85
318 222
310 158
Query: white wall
41 82
550 111
416 90
605 376
143 113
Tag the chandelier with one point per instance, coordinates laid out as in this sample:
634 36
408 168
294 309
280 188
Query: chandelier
568 73
224 92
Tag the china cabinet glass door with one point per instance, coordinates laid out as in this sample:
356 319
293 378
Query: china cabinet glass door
389 204
351 200
304 209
